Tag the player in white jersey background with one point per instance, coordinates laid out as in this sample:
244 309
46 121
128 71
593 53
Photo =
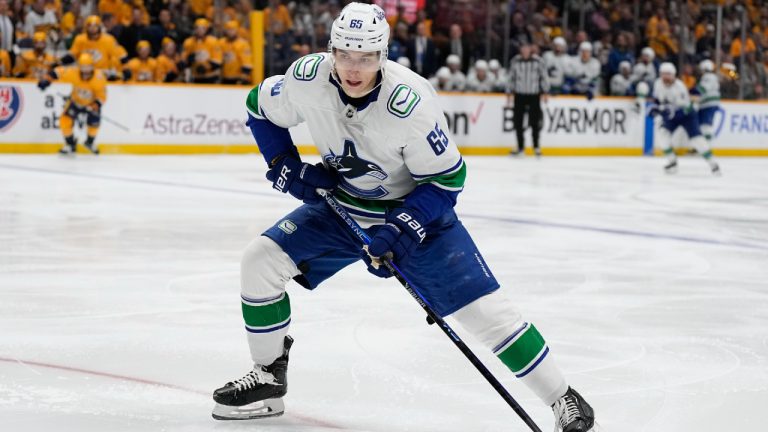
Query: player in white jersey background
390 161
673 104
708 92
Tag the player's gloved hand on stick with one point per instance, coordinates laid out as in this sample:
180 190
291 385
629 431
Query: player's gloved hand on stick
43 84
396 240
300 179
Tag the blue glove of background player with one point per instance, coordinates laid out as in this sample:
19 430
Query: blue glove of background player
301 179
396 240
43 84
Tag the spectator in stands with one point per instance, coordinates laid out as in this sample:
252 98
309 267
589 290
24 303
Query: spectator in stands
277 12
706 44
735 50
421 52
556 62
645 69
111 25
35 63
236 52
659 36
479 80
141 68
581 37
7 33
619 53
136 31
687 76
518 34
458 46
167 28
322 36
117 9
398 44
5 62
39 18
202 54
458 79
200 7
168 62
621 83
755 80
583 74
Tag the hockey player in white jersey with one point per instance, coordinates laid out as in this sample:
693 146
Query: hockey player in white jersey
621 84
389 160
645 69
673 105
458 79
556 62
583 72
479 80
708 92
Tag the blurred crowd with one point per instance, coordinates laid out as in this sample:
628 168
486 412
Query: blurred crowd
590 47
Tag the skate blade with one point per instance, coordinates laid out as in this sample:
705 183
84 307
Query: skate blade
257 410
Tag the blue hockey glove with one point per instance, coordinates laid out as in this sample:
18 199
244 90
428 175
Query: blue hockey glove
590 95
43 84
397 239
300 179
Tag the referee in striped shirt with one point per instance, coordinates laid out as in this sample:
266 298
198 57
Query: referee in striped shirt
527 87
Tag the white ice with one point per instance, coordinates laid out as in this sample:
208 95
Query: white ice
119 306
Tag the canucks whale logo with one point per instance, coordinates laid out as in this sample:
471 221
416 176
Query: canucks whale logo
350 166
10 106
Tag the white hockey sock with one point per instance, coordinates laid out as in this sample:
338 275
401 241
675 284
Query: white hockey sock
495 321
702 146
265 270
665 144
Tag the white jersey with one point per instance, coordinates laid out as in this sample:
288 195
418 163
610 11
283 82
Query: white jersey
458 80
585 74
620 85
674 97
709 89
643 72
557 65
448 85
485 86
381 150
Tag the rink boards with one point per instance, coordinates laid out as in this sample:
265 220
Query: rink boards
183 119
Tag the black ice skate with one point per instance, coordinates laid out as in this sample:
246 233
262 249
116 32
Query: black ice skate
573 414
91 145
671 167
716 170
256 395
69 148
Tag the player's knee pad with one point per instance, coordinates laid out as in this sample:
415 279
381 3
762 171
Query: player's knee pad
700 144
265 269
491 318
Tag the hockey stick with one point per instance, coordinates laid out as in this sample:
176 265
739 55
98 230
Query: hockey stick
101 116
414 292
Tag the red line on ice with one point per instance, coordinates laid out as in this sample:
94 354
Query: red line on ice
307 419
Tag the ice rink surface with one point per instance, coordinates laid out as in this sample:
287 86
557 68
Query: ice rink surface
120 310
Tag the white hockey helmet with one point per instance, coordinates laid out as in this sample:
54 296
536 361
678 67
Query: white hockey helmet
642 89
625 65
585 46
559 41
667 68
453 59
481 64
648 52
443 73
494 65
361 27
707 65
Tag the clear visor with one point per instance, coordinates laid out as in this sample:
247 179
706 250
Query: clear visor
356 60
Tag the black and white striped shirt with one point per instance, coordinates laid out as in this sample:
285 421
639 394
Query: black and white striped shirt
527 76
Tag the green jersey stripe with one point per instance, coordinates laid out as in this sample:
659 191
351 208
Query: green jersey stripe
267 314
451 181
524 350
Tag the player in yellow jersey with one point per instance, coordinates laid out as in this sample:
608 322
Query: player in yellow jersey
89 93
168 62
106 52
141 68
236 54
36 63
202 53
